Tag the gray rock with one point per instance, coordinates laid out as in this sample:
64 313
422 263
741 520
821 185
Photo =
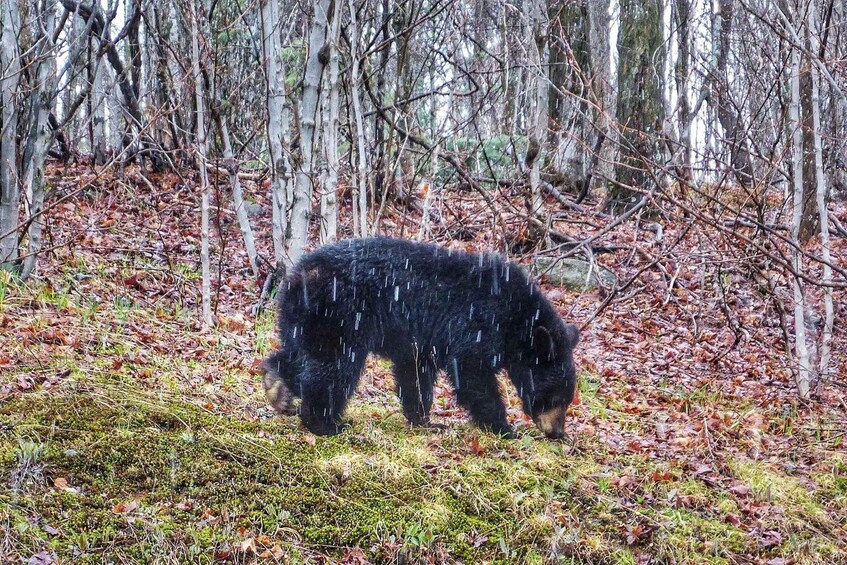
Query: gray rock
573 273
252 208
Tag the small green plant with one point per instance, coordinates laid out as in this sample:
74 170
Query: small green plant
28 468
89 311
265 330
5 281
123 308
418 536
505 549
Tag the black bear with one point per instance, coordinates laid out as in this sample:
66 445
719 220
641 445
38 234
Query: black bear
426 309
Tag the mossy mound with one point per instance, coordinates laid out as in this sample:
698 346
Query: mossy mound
128 436
107 473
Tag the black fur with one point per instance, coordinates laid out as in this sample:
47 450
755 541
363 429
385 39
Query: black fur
426 309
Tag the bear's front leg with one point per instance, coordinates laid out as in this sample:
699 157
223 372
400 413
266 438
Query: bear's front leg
477 391
325 388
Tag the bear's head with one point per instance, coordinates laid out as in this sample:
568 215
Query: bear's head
554 378
277 391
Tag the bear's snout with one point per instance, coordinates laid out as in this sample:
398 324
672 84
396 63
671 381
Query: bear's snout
552 422
278 395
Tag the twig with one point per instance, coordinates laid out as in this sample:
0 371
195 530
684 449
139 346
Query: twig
839 229
241 174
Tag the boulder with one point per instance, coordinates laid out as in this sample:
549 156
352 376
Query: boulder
573 274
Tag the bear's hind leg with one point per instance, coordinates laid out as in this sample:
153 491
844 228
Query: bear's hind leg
414 381
325 388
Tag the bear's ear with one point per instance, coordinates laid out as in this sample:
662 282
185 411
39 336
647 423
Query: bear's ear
572 334
542 342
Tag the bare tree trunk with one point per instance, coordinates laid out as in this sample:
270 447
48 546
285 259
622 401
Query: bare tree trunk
40 134
379 163
599 23
199 95
231 165
730 120
641 56
128 88
809 226
423 232
837 122
278 125
682 10
361 151
98 114
820 193
117 121
10 69
302 204
329 195
804 372
76 45
540 53
97 105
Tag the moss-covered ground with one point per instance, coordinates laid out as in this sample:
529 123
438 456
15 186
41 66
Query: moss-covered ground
129 436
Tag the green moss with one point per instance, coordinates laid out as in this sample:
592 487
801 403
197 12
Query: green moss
151 471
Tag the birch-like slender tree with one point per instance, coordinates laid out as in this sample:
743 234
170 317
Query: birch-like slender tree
10 73
603 86
277 126
726 109
309 115
231 166
641 56
539 55
40 135
682 71
820 195
329 194
201 152
804 365
97 102
360 194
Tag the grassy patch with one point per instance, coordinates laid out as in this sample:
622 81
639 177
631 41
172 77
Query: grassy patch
126 435
122 472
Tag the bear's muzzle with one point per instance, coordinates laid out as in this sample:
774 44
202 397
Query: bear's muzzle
278 395
552 422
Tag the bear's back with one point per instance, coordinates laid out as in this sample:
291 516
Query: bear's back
381 295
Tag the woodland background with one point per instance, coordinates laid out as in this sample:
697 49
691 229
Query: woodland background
163 163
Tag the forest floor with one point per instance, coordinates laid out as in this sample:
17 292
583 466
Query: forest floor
129 435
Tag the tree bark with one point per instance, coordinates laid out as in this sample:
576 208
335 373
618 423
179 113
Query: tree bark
640 100
329 194
804 370
809 225
201 132
101 31
682 12
603 85
97 102
728 116
231 164
820 197
309 108
539 54
40 134
10 70
361 177
278 127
